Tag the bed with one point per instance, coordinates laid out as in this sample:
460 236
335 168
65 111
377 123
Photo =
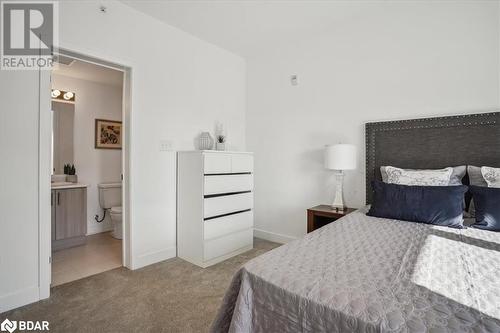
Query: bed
367 274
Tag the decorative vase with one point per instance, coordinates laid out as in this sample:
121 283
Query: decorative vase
72 178
220 146
205 141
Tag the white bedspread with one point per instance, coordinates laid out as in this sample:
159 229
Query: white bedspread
365 274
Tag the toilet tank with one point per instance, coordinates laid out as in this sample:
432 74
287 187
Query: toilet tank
110 195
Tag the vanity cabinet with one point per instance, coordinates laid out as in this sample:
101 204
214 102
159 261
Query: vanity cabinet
69 217
214 205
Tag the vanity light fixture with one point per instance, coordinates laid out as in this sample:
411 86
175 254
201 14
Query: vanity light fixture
61 95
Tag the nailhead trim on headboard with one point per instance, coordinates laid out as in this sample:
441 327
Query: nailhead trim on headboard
372 128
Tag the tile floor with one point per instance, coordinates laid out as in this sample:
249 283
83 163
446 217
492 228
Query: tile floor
101 253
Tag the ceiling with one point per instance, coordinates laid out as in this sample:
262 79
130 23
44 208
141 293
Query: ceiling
90 72
246 26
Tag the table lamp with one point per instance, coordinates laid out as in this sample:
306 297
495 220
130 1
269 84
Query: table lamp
340 157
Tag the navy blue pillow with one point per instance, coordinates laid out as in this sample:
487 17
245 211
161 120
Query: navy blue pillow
439 205
487 205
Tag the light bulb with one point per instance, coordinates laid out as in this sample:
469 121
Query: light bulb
56 93
69 95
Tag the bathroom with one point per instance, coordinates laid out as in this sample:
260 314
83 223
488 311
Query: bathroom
86 152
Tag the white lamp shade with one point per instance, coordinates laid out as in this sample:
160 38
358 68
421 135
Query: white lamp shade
340 157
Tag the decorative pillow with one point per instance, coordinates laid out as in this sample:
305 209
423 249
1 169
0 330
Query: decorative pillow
487 203
476 179
491 176
455 179
476 176
418 177
438 205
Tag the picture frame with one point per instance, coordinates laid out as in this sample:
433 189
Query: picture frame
108 134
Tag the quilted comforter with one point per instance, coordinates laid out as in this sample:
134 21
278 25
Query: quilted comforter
365 274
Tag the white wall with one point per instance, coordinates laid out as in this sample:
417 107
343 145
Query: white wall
18 189
180 86
394 61
94 100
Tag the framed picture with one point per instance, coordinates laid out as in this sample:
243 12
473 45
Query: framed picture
108 134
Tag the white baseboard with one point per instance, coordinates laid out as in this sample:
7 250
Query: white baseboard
153 257
19 298
272 236
93 229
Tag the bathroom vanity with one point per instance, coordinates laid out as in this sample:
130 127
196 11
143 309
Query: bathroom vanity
68 200
69 215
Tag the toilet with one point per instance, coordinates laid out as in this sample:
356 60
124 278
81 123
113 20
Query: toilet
110 199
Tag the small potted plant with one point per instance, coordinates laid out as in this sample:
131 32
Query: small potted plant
221 142
70 172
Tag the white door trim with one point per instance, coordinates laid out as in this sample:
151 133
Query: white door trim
44 190
45 128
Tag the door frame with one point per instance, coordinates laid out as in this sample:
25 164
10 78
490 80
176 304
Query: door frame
44 188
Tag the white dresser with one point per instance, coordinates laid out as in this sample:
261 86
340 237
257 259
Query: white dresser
214 205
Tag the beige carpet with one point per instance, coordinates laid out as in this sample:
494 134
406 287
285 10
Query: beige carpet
171 296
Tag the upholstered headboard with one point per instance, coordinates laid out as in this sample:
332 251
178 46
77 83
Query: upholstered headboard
432 143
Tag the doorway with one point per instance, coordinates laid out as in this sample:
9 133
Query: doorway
90 103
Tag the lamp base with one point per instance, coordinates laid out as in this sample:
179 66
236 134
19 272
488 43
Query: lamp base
338 202
339 208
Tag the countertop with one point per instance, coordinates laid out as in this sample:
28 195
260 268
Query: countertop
67 185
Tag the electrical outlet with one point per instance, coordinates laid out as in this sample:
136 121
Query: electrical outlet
165 145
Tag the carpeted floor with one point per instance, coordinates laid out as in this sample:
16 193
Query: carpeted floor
171 296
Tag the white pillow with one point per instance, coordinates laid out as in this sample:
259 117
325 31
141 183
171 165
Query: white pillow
455 179
491 176
440 177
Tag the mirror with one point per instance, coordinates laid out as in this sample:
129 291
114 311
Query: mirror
63 117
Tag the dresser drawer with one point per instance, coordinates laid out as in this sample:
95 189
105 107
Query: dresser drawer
227 204
228 224
228 184
215 163
241 163
224 245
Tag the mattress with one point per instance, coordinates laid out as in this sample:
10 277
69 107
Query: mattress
366 274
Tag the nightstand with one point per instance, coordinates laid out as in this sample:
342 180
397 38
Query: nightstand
321 215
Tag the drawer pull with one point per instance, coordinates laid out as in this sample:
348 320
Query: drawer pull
224 194
216 217
228 174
